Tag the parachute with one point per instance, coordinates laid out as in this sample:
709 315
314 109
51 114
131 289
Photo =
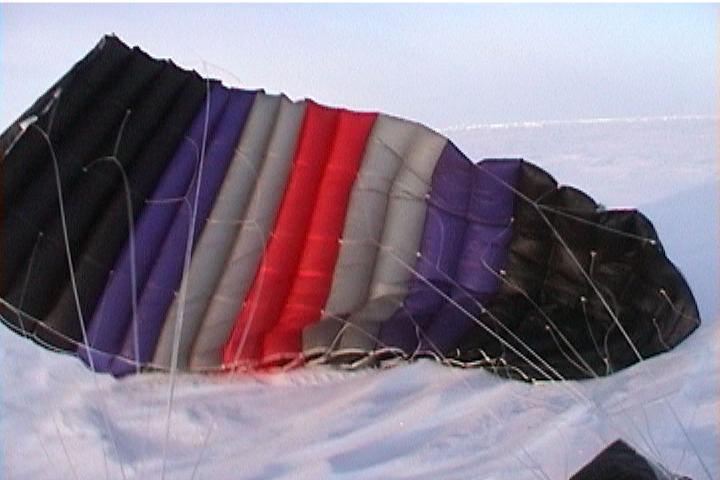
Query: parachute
155 220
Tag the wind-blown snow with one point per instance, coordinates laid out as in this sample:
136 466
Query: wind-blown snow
423 420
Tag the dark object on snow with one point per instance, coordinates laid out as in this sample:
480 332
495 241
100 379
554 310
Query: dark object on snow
619 461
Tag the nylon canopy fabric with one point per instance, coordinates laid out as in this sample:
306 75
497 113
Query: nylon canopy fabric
84 202
251 239
388 143
573 293
164 279
109 234
311 286
79 87
93 137
212 228
115 310
86 182
465 236
331 141
401 236
483 255
215 243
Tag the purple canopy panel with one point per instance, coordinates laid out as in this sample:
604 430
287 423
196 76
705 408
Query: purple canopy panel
167 271
482 256
445 226
110 322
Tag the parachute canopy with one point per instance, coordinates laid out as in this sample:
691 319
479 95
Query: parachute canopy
153 219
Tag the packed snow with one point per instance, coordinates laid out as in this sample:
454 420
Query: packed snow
421 420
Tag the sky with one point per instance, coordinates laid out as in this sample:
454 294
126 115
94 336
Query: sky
443 65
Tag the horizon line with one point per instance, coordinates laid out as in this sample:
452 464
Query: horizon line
578 121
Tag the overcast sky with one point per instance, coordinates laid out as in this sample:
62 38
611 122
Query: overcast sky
440 64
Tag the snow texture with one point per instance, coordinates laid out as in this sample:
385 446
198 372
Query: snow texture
421 420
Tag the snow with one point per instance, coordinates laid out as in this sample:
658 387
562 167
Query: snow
422 420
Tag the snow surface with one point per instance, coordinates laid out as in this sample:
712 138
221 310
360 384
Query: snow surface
422 420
